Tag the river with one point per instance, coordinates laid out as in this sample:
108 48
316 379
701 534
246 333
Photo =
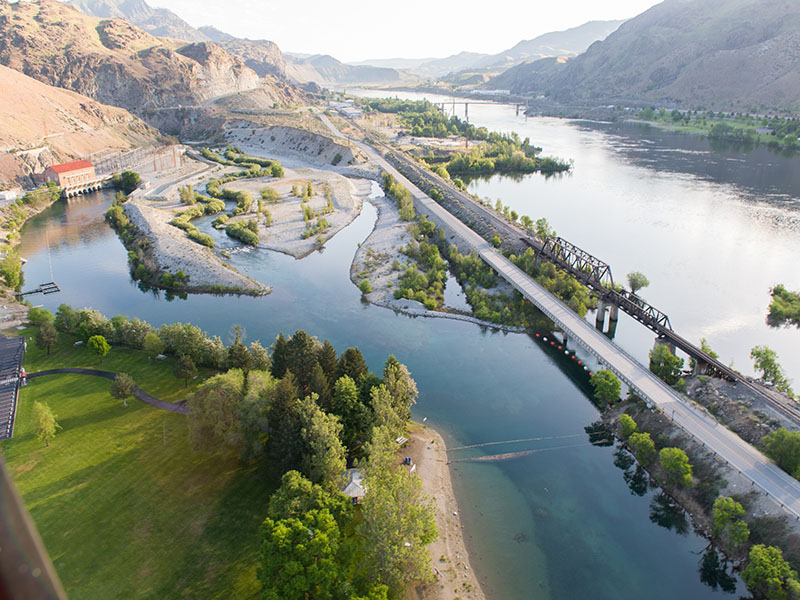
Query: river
571 521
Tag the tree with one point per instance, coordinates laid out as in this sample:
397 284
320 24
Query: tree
11 270
628 425
768 575
44 423
280 358
352 364
99 346
47 336
327 359
543 229
185 369
637 281
276 170
398 520
260 356
300 558
352 413
214 413
676 466
401 387
122 388
66 319
324 460
643 447
728 525
37 316
783 447
665 365
297 496
238 355
153 345
606 386
766 361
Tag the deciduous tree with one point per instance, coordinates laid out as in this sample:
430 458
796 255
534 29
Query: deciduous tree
768 575
728 525
665 365
607 387
628 425
122 388
99 346
643 447
47 336
44 423
185 369
676 466
153 345
637 281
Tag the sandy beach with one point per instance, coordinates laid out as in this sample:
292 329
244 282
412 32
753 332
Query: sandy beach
455 577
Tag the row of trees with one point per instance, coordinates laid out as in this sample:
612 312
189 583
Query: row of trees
403 198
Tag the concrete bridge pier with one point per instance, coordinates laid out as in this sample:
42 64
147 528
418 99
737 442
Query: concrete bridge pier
662 341
600 319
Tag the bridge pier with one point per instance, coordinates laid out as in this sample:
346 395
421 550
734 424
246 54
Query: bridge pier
662 341
600 319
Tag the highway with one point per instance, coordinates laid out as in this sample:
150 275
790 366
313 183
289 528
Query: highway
737 453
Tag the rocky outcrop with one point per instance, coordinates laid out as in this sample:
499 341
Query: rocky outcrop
282 141
263 56
113 61
157 21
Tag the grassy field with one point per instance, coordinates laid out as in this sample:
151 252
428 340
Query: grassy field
125 507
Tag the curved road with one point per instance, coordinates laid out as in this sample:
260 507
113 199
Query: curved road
730 448
138 393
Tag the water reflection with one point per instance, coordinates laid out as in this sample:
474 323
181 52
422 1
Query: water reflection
716 573
667 513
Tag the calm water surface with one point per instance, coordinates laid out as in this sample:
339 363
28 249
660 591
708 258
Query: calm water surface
570 521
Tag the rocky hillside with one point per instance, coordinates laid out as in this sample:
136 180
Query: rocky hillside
114 62
42 125
324 69
263 56
160 22
720 54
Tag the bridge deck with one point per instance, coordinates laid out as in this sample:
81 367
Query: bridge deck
11 351
728 446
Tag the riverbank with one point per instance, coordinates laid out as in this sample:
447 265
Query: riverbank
455 577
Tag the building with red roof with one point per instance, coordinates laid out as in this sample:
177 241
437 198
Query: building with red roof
71 174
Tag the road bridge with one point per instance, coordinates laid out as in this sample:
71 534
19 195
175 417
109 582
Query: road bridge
730 448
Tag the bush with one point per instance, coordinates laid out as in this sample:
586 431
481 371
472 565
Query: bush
365 287
201 238
241 232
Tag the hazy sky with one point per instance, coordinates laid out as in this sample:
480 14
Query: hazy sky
358 30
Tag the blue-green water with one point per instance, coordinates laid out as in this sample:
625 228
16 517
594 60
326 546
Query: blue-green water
561 523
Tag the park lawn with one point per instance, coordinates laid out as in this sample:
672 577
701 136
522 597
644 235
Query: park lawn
125 507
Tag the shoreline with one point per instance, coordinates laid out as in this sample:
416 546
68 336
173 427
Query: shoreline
450 560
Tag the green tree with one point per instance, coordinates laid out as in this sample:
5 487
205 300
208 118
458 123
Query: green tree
665 365
260 356
66 319
153 345
185 369
214 413
543 229
607 387
676 466
628 425
187 194
122 388
276 170
353 414
768 575
99 346
352 364
44 423
280 357
637 281
300 558
324 459
783 447
398 520
643 447
47 336
37 316
298 495
728 525
401 387
238 355
766 361
11 270
328 360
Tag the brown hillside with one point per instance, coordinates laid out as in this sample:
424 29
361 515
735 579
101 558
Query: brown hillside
41 125
113 61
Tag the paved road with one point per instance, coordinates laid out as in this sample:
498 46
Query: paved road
138 393
728 446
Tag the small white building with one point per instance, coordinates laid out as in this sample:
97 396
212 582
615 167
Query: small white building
354 486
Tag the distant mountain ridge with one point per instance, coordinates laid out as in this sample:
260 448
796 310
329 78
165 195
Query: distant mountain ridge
160 22
720 54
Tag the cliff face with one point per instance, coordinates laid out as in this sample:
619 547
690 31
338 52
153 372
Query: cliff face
113 61
41 125
263 56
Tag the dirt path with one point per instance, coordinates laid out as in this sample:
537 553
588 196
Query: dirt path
138 393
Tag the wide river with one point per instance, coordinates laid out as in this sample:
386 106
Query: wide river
573 520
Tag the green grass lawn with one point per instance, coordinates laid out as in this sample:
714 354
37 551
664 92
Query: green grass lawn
125 507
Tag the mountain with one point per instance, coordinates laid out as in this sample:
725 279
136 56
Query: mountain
263 56
721 54
42 125
569 42
324 69
160 22
215 35
115 62
393 63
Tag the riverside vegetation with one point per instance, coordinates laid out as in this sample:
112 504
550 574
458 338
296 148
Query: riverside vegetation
266 440
499 152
